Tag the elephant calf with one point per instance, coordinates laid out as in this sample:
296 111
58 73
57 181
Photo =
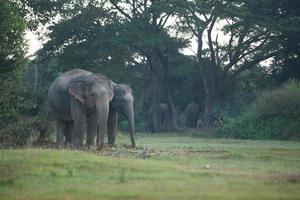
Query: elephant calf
82 101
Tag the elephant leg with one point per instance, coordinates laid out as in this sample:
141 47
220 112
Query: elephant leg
97 138
60 127
102 125
79 117
92 123
69 133
112 125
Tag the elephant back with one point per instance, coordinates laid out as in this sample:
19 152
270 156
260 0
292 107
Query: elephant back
58 97
64 80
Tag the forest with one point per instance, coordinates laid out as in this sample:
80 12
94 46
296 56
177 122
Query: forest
212 87
227 66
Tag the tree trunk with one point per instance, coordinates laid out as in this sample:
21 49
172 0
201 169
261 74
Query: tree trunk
35 66
212 85
173 121
153 115
209 106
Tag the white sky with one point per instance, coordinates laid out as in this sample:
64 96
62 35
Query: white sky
33 42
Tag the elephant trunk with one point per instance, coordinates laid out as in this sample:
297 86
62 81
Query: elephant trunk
129 114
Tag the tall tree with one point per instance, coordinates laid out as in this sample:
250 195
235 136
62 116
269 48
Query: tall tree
245 43
12 59
121 34
146 33
286 14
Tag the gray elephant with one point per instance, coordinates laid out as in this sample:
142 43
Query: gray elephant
78 100
191 113
122 102
81 99
158 118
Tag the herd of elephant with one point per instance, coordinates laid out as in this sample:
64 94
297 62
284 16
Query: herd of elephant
86 103
191 117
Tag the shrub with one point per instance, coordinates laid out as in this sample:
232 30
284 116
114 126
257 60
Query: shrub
281 102
274 114
25 132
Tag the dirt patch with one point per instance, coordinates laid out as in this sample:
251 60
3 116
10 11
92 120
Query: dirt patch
145 152
127 151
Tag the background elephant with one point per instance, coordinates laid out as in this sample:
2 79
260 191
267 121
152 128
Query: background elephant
192 111
80 99
158 120
122 102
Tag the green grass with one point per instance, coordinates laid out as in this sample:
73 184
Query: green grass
162 167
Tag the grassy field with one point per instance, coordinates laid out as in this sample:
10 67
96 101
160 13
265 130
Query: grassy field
162 167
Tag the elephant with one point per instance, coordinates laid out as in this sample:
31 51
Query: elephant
78 100
122 102
191 113
97 105
158 121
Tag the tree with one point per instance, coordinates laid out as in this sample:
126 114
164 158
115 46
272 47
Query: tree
146 34
248 42
136 41
287 13
103 36
12 60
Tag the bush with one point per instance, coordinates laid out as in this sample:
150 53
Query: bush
281 102
273 115
25 132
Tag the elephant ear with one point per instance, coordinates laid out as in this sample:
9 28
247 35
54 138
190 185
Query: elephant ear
76 91
111 90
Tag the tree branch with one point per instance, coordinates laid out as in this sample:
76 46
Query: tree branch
210 43
120 9
252 50
163 20
194 31
230 42
217 52
249 64
237 52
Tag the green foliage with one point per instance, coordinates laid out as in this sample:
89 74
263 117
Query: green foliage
136 42
13 47
248 126
282 102
285 23
26 132
186 81
12 60
274 114
242 92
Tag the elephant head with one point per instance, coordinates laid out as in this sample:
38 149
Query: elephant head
122 102
90 90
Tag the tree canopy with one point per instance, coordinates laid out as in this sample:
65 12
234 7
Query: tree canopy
142 43
12 59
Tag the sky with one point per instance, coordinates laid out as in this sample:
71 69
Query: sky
33 42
